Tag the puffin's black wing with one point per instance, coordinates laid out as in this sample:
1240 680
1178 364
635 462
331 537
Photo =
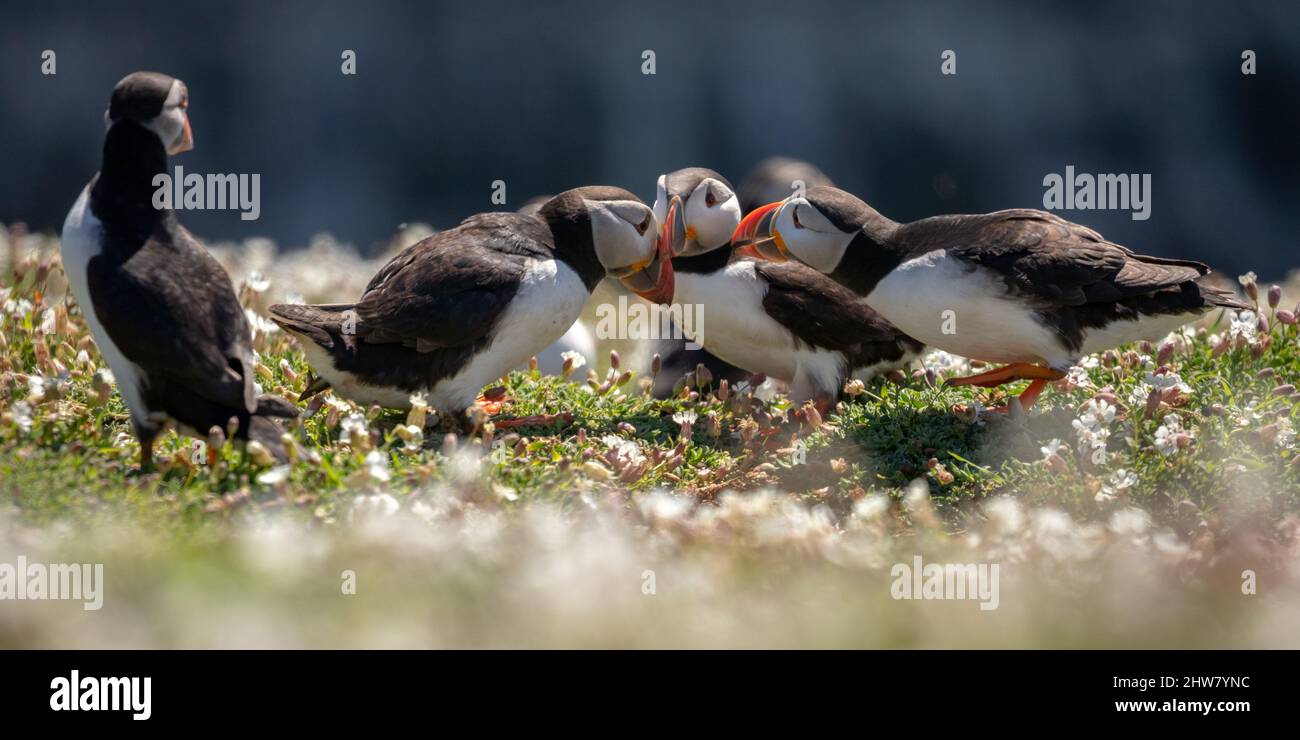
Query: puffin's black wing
171 310
1045 256
823 313
450 289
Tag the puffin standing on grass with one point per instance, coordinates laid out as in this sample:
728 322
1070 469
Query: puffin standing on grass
1022 286
456 311
787 321
160 308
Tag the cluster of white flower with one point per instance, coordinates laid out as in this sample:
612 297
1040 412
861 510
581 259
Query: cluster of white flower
1119 481
943 363
1170 385
1171 435
1092 428
625 450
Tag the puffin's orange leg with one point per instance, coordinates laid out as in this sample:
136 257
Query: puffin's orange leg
492 400
1008 374
1026 397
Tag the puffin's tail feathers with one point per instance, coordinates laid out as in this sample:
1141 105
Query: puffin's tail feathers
1218 297
321 323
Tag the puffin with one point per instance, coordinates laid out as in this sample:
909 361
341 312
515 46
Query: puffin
161 309
452 313
787 321
1020 287
578 338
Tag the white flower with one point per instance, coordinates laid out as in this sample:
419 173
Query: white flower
575 356
259 325
22 412
1090 362
1285 438
1243 324
1091 426
353 423
943 363
1097 414
1167 381
47 322
35 388
1119 481
342 405
625 450
1050 449
278 474
1168 434
18 308
766 391
256 282
685 417
1078 376
377 466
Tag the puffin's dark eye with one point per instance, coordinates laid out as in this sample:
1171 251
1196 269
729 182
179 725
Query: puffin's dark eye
710 199
794 214
645 224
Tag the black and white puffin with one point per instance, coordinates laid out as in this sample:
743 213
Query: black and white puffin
786 320
1022 286
454 312
160 308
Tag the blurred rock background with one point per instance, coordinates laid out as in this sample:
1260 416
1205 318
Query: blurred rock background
450 97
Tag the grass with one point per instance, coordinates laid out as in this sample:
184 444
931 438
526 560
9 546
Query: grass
713 485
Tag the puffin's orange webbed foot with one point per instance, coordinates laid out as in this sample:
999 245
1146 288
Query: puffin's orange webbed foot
1038 374
492 400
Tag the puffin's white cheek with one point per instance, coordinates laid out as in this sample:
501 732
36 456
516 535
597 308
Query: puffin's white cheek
822 252
169 126
617 243
718 224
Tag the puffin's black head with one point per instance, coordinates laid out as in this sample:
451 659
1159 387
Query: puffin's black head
157 102
622 233
697 210
777 177
815 228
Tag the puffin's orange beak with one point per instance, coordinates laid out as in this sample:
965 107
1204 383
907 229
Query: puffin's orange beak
653 280
757 237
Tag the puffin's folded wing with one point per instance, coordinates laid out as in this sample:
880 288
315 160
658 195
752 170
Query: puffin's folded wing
1062 262
189 330
432 297
821 311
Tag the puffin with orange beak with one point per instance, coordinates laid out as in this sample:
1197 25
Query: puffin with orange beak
786 321
161 310
454 312
1022 286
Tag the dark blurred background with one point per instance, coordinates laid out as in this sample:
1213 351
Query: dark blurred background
452 96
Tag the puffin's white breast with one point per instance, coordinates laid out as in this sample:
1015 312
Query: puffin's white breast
965 310
735 326
80 243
